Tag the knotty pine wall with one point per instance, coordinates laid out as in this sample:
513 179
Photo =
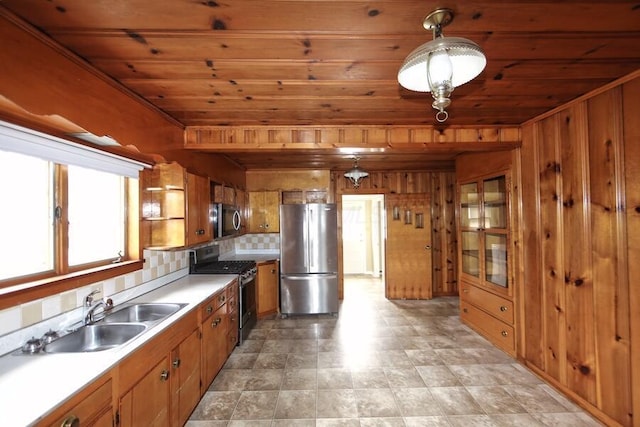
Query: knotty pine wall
580 218
441 187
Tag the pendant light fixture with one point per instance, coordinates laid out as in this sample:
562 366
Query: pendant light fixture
441 64
355 174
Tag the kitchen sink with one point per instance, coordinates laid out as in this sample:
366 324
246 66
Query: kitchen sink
142 312
97 337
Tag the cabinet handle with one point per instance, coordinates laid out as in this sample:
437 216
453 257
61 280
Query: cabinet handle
176 363
266 226
209 310
503 308
71 421
164 375
465 310
273 271
504 333
216 322
222 298
465 290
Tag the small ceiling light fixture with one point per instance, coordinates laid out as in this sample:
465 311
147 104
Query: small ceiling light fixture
355 174
441 64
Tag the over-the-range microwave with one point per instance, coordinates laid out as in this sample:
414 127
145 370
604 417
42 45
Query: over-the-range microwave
226 220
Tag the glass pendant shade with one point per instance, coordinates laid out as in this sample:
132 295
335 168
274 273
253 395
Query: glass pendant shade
466 58
356 174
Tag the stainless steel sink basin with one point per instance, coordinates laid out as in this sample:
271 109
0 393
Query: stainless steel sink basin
97 337
143 312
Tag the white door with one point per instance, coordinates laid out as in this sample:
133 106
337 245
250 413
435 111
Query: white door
353 237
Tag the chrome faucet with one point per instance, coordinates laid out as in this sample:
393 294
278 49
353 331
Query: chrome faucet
90 308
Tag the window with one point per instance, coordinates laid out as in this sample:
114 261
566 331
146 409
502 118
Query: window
65 207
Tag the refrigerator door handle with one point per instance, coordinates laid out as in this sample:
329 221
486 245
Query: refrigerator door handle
305 238
312 243
306 277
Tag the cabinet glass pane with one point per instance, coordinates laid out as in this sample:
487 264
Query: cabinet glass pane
470 253
495 202
496 259
469 207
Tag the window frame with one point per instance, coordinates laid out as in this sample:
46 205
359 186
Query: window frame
22 289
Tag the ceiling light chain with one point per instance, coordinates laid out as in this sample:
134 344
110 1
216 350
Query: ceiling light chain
448 62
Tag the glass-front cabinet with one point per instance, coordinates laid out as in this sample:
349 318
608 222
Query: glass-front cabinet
484 232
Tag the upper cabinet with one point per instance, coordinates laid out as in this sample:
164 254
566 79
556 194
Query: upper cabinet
484 232
264 212
197 203
175 207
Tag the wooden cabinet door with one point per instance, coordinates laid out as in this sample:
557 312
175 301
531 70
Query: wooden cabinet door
264 212
148 403
198 195
214 344
272 211
267 288
408 247
185 378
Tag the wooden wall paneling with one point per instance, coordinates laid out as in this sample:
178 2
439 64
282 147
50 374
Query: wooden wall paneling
443 240
611 327
576 267
532 332
631 103
517 261
552 277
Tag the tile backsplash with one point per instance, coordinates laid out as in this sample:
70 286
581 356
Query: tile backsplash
257 242
157 265
19 323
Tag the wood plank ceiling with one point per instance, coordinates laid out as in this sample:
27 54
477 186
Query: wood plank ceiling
334 62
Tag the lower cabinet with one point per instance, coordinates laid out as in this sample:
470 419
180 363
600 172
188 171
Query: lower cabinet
90 407
161 383
185 378
267 281
214 328
489 314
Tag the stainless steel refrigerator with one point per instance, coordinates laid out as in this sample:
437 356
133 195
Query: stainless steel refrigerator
308 259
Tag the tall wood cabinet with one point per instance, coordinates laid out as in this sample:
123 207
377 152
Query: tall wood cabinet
486 291
175 207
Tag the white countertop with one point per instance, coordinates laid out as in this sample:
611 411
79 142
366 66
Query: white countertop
31 386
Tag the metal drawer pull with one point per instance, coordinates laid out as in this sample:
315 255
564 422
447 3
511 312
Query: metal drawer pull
164 375
176 363
209 310
503 308
71 421
465 290
216 322
504 333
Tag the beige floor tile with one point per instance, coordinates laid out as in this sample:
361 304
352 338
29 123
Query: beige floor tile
379 363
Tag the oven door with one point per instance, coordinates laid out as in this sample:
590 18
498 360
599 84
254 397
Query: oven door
248 314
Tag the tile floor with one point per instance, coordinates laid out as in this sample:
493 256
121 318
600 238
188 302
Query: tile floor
379 363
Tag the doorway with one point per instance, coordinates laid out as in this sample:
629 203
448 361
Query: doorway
363 235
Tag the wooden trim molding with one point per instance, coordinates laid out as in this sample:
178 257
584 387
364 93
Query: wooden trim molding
234 138
20 294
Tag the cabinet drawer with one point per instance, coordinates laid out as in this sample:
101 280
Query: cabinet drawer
91 408
213 304
499 333
491 303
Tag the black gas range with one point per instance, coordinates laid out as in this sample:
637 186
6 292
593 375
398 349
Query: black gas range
206 261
